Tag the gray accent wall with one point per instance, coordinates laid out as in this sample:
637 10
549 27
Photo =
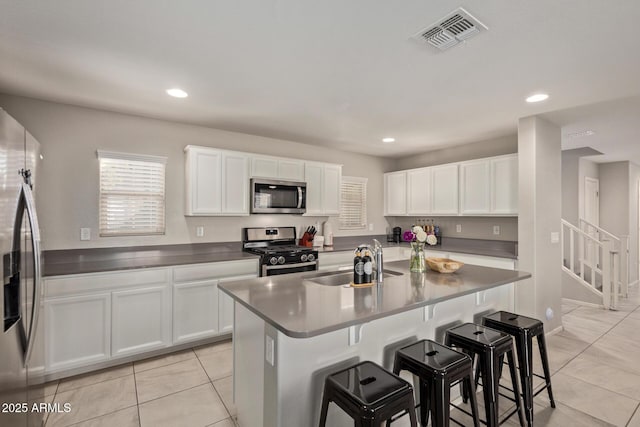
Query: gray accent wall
67 188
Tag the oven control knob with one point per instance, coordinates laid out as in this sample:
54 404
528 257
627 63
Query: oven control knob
281 260
311 257
273 260
303 258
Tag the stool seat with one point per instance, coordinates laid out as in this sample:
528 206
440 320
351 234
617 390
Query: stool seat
369 394
438 367
489 346
524 329
368 383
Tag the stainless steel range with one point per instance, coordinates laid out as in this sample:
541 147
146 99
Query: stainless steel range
278 250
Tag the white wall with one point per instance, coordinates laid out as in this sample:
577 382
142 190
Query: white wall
68 182
586 169
540 209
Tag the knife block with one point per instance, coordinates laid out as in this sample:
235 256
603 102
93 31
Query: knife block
306 240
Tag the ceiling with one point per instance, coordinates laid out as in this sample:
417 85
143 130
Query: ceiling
332 73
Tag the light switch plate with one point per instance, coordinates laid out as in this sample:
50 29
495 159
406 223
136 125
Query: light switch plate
85 234
555 237
269 351
370 227
200 231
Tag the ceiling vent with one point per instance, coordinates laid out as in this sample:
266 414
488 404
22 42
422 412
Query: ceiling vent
449 31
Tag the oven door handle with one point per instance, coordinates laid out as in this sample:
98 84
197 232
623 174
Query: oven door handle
299 198
280 267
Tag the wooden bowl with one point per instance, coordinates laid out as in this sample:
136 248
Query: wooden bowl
443 265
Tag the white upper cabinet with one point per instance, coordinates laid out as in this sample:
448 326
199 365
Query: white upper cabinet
419 191
323 188
504 185
475 187
444 185
277 168
217 182
395 193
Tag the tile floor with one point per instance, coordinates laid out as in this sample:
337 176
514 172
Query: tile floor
595 362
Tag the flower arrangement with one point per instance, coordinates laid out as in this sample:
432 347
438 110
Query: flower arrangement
417 236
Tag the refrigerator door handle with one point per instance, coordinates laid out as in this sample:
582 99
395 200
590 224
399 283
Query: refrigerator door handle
27 203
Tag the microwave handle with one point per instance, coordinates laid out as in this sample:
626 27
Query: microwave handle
299 197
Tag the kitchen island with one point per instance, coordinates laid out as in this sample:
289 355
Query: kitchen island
290 331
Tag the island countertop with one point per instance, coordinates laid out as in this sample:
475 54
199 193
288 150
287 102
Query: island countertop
301 308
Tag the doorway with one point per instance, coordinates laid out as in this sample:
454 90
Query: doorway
592 216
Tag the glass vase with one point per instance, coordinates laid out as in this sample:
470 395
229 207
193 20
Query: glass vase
417 257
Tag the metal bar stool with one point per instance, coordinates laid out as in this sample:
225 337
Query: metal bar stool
369 394
524 329
489 346
438 368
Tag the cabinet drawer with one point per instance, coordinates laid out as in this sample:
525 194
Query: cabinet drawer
79 284
215 270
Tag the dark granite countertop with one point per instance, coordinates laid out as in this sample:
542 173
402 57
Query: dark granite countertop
301 307
77 261
494 248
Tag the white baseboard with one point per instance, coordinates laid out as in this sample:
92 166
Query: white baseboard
555 331
635 282
587 304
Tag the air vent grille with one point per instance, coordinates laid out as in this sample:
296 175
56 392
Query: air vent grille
449 31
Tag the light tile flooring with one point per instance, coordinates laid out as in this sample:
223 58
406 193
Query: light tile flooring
595 362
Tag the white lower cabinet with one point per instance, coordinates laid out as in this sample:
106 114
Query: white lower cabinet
78 331
195 310
225 305
141 320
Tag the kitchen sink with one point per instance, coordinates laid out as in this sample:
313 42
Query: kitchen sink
340 278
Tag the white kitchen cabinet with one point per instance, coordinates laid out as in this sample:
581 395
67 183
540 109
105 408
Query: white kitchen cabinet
217 182
504 185
419 191
323 188
444 188
395 193
195 310
475 187
225 305
78 331
277 168
141 320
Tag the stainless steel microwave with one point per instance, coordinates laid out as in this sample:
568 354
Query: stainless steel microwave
278 197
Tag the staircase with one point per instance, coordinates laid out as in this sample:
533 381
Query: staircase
596 260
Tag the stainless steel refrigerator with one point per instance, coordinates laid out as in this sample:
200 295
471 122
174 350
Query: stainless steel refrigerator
21 343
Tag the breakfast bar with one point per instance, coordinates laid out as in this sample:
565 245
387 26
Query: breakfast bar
291 331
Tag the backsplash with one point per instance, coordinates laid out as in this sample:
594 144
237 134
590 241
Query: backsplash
471 227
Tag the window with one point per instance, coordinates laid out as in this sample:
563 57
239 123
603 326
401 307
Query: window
131 194
353 203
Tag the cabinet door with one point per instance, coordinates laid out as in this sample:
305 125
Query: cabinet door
141 320
419 191
504 184
475 187
78 331
235 189
395 193
331 189
444 190
204 182
313 175
195 310
264 167
291 169
226 305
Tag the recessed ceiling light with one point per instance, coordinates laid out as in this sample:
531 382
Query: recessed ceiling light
177 93
388 140
580 134
537 97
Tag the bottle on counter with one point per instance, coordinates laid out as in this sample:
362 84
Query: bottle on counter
358 269
367 267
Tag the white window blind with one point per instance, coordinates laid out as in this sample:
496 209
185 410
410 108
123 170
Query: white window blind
132 199
353 203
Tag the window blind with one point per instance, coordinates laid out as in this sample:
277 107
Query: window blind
132 194
353 203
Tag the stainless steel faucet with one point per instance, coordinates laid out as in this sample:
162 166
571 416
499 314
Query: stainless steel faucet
377 254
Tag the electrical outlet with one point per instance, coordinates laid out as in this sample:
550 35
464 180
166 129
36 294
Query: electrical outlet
555 237
496 229
85 234
370 227
199 231
269 350
458 228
